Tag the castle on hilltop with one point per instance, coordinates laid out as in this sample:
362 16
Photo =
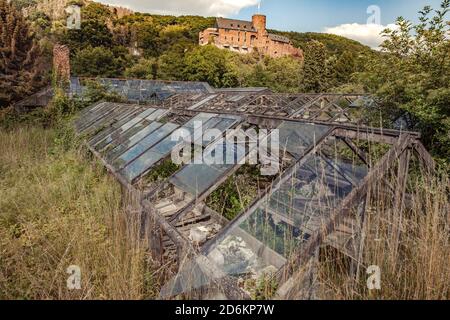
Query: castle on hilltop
248 36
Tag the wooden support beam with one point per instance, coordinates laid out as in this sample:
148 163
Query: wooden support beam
306 106
399 200
360 153
368 134
424 157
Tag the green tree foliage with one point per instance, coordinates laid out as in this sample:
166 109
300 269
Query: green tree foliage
210 64
315 71
21 4
412 78
143 69
94 30
281 75
98 62
21 69
334 44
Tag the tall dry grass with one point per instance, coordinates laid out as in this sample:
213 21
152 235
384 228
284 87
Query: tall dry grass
57 209
411 247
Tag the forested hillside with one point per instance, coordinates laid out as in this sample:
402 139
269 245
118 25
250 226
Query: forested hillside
166 47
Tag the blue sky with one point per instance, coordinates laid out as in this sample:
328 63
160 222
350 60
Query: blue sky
315 15
343 17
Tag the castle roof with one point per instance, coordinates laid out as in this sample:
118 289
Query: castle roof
223 23
276 37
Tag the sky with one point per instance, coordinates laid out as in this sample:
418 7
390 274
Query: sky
361 20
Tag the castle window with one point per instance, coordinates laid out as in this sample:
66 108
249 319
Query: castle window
239 26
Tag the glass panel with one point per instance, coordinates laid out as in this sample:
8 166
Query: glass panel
114 112
106 122
118 129
289 215
83 114
131 140
158 114
104 109
211 124
144 145
137 128
197 178
123 125
296 137
141 164
203 117
163 148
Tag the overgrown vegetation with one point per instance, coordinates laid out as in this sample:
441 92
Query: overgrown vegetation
238 192
412 77
412 250
161 172
22 66
58 209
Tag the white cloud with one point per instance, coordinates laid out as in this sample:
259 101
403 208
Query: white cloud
178 7
368 34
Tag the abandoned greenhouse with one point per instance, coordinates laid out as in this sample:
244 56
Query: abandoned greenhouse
222 227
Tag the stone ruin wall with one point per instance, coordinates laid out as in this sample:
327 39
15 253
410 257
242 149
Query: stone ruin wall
61 63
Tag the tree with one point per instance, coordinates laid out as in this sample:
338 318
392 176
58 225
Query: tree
94 30
315 71
144 69
412 78
96 62
283 75
209 64
21 68
171 63
342 68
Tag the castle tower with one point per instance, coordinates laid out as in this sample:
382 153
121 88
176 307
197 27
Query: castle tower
259 22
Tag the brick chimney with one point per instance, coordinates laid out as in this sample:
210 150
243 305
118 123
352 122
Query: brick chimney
61 64
259 22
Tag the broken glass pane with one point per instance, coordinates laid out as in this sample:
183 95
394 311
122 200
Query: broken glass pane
296 138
